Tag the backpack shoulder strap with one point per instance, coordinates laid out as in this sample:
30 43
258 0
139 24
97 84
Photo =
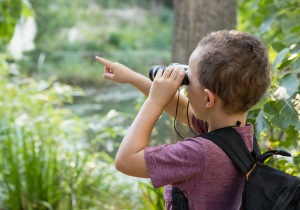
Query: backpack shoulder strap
231 142
256 150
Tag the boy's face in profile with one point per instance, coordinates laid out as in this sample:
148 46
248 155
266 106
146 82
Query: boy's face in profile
196 94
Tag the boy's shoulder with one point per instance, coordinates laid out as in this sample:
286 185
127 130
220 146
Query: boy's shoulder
246 132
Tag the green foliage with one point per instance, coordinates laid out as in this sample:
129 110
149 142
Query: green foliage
10 14
113 33
152 198
132 3
277 115
44 160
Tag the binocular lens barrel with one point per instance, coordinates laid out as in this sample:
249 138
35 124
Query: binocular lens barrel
154 69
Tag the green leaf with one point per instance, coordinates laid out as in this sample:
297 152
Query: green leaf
287 143
288 62
277 46
48 205
281 113
290 82
279 58
261 124
296 49
295 29
254 4
289 115
273 140
297 160
266 25
292 38
260 104
292 136
296 64
287 25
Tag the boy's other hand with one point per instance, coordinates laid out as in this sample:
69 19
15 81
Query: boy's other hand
165 86
115 71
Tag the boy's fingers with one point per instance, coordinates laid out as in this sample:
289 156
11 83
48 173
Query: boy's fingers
168 72
180 76
107 70
108 76
104 61
159 74
175 73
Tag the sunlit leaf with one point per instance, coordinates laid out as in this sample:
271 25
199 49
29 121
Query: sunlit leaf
254 4
292 38
48 205
273 140
292 136
278 46
296 64
287 25
261 123
282 114
266 25
281 55
297 160
290 82
261 103
288 63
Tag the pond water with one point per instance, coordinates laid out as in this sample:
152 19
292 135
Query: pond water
123 98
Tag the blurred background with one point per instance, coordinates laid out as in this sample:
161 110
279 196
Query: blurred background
62 123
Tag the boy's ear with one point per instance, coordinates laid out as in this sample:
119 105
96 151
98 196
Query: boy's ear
209 98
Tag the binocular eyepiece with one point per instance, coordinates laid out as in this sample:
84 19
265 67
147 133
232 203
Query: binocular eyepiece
154 69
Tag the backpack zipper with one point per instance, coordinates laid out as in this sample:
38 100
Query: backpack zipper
280 196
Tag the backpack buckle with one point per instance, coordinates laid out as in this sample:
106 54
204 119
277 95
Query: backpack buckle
247 176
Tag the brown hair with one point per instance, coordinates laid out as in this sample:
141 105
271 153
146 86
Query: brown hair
235 66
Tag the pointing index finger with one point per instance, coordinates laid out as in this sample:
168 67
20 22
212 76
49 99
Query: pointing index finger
104 61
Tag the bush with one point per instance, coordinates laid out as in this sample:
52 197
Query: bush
45 162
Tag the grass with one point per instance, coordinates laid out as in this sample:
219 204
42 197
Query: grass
45 162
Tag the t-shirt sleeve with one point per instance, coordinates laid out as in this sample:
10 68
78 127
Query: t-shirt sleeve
200 126
175 164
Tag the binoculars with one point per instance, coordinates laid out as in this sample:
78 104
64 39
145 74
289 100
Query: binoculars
154 69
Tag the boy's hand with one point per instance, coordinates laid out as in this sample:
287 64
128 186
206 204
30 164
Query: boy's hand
115 71
164 86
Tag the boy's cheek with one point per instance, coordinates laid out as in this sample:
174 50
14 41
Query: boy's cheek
190 92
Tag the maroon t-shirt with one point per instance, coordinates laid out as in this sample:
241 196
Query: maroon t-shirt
200 168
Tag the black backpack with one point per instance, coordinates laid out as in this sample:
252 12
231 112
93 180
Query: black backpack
265 188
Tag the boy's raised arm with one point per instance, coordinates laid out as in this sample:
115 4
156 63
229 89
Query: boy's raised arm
122 74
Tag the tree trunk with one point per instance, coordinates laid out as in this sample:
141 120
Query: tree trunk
193 20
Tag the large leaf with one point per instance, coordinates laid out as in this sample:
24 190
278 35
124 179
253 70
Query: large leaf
266 25
297 160
287 25
278 46
279 58
261 103
288 62
296 64
281 113
290 82
292 136
261 124
292 38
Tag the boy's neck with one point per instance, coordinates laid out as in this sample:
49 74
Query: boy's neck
221 120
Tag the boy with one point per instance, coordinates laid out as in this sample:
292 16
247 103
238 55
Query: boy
228 74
